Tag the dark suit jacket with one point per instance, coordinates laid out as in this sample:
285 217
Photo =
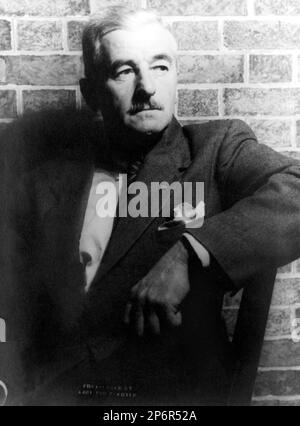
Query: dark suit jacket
66 339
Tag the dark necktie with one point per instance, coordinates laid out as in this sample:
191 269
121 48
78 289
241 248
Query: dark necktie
134 169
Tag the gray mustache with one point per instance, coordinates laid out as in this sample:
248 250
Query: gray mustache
142 106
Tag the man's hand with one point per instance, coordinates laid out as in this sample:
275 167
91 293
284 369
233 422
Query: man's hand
155 300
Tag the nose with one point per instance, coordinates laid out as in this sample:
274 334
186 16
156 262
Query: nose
146 83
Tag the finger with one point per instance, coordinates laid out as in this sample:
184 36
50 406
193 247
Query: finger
127 313
134 289
134 314
137 289
174 318
139 321
169 315
153 322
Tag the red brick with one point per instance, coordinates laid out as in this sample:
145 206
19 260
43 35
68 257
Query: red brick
8 104
296 313
280 353
196 103
230 317
281 102
286 292
276 402
197 35
298 134
2 70
200 7
75 29
58 70
281 383
299 68
262 35
98 5
233 301
285 269
35 100
279 323
270 68
5 35
274 133
211 69
277 7
39 35
44 7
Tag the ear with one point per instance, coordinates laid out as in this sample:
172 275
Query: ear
89 93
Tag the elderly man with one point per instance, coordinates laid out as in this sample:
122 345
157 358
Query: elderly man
127 310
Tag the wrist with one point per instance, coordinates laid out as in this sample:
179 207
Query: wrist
188 248
197 250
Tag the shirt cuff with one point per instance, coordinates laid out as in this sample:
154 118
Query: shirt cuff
209 263
199 249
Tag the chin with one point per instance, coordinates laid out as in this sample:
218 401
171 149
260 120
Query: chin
148 129
149 125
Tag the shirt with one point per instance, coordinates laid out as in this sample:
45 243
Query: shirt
98 224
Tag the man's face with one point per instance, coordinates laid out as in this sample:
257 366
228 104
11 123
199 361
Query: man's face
139 88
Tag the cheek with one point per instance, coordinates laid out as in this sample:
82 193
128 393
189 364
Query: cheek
120 95
169 97
168 91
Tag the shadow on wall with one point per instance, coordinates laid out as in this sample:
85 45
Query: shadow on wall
41 136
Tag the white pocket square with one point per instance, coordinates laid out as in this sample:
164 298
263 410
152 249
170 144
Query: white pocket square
192 217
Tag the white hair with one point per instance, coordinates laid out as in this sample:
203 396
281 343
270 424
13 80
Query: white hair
112 19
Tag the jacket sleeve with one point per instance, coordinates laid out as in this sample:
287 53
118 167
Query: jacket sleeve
259 228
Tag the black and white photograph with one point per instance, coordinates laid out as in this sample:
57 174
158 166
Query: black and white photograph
149 205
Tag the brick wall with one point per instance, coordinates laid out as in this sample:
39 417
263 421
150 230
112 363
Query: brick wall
238 59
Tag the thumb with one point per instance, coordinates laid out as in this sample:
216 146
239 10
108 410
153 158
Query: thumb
174 318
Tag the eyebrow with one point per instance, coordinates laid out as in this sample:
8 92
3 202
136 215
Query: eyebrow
120 62
163 57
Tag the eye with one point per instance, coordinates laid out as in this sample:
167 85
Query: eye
160 69
124 73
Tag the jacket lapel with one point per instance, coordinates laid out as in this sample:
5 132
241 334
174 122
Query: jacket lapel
165 163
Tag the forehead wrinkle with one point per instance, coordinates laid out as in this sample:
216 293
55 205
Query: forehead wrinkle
130 61
140 39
